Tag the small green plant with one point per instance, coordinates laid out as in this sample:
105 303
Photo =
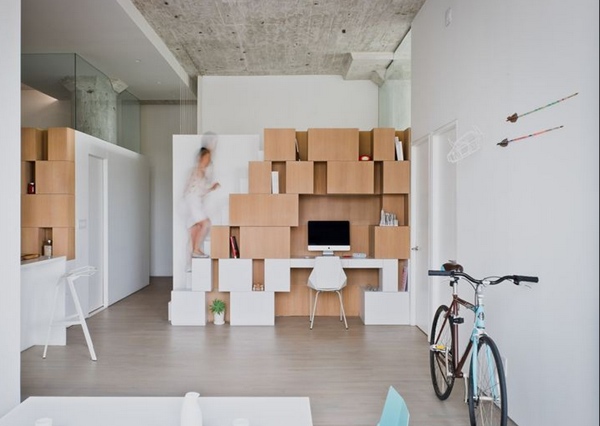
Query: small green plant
217 306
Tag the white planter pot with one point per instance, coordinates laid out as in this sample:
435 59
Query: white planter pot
219 319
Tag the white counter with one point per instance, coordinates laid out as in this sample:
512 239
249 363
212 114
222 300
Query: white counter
38 283
159 411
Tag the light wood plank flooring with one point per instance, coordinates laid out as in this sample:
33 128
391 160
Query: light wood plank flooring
346 373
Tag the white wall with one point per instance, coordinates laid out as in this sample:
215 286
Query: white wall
159 124
128 214
247 105
42 111
532 207
10 221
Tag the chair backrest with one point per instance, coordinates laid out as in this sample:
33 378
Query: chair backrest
395 412
327 274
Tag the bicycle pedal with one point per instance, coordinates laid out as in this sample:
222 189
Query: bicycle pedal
438 348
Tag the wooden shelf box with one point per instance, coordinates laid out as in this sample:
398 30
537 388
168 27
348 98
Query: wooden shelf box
263 209
391 242
280 144
47 210
300 177
259 177
55 177
219 242
383 144
396 177
333 144
61 144
33 144
262 242
350 177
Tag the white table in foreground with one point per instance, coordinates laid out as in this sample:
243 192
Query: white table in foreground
159 411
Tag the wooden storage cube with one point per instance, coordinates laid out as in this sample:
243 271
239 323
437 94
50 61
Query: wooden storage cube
299 176
396 177
397 204
391 242
47 210
280 144
61 144
263 209
383 144
359 238
55 177
32 144
350 177
259 177
63 242
333 144
219 242
32 240
262 242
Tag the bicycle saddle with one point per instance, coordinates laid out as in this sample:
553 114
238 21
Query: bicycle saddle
452 266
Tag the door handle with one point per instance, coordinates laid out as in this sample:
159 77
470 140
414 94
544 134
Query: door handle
415 248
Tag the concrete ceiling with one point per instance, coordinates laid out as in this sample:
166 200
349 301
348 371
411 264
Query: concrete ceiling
154 45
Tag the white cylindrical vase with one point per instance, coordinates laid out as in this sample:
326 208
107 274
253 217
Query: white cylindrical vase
191 415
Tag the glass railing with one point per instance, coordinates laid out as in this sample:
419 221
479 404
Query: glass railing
98 105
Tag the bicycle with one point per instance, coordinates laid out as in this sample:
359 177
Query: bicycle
486 383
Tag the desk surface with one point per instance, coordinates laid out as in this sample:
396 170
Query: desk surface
159 411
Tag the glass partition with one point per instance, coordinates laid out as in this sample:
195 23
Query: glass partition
99 106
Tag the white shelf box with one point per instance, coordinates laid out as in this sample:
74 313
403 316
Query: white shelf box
202 274
277 275
187 307
235 275
385 308
388 279
252 308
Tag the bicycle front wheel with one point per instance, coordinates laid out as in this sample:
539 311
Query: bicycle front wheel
487 388
441 354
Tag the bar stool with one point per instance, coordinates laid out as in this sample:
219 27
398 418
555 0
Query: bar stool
79 317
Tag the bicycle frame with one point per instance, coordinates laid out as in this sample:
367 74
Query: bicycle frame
453 317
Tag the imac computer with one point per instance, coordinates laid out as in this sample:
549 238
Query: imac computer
328 236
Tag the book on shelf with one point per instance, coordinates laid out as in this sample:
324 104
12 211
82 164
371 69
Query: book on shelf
404 278
235 251
297 150
399 152
274 182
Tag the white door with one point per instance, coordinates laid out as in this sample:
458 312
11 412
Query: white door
420 225
96 231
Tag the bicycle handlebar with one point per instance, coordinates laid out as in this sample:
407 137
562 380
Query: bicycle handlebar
516 279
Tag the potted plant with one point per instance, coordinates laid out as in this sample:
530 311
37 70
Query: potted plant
217 307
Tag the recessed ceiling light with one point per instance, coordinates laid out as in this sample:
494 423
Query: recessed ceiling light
138 60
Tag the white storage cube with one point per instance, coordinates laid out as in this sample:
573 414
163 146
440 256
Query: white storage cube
187 307
202 274
388 278
385 308
252 308
277 275
235 275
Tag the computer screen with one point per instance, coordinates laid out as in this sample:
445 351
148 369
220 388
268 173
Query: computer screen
328 236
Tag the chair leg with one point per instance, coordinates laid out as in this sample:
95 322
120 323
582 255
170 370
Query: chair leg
58 284
86 332
312 316
342 308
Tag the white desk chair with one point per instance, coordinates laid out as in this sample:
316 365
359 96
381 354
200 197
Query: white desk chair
79 317
327 275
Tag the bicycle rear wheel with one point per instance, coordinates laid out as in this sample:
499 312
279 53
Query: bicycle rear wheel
487 398
441 354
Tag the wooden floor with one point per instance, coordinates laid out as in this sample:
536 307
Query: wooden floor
346 373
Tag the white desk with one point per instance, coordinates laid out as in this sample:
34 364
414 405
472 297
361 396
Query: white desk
159 411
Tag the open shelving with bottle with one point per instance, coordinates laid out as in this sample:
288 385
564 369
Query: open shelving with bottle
48 191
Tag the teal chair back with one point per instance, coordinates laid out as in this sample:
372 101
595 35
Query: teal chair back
395 412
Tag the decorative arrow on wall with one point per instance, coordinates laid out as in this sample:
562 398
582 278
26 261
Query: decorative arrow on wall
513 118
505 142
